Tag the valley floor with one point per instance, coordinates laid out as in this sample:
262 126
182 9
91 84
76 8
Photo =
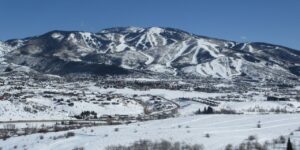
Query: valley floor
222 130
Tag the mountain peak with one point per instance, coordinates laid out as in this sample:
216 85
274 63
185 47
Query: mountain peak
156 30
122 29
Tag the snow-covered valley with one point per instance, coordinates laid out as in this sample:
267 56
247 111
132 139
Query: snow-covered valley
174 113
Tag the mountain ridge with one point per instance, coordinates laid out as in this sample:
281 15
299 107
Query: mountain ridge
155 49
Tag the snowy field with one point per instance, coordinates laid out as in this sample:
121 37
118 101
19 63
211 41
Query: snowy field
11 111
223 130
169 94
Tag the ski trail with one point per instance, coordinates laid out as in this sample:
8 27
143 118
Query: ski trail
150 58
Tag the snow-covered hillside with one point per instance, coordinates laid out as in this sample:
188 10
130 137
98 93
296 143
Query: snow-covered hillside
222 130
160 50
4 48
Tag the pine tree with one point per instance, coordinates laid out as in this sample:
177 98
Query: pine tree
210 110
205 110
198 111
289 145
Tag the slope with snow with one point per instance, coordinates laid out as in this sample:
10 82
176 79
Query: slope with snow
223 130
160 50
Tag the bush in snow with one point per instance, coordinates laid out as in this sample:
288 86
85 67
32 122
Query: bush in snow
252 138
69 134
116 129
41 137
279 140
258 125
8 131
78 148
229 147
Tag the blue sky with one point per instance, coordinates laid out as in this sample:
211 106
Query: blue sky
273 21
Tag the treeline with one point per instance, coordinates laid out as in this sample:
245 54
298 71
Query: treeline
87 115
145 85
210 110
161 145
10 130
250 143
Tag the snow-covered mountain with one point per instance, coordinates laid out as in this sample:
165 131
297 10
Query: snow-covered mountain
161 50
